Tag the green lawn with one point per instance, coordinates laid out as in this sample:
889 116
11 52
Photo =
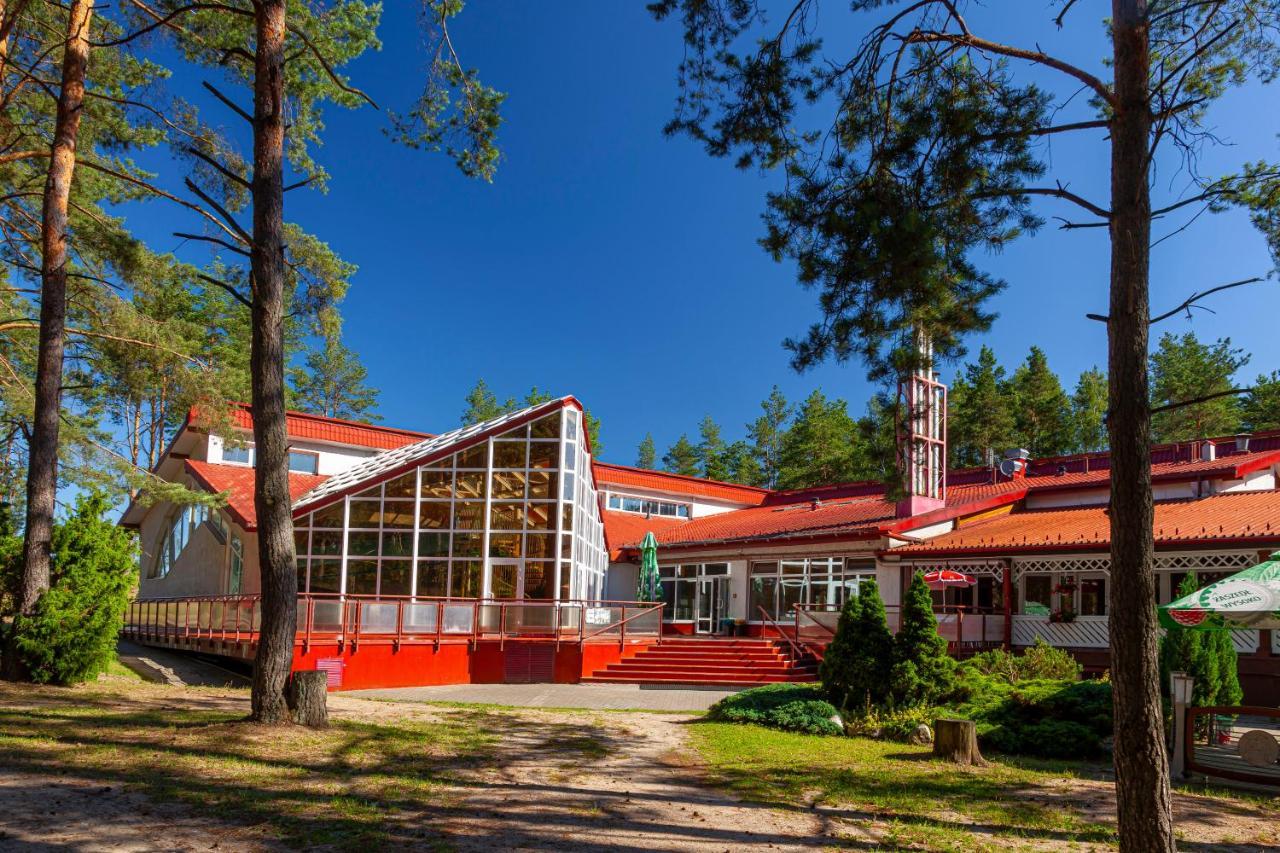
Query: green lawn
900 789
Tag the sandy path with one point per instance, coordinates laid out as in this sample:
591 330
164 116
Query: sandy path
639 795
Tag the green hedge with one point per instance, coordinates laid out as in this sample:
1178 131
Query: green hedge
790 707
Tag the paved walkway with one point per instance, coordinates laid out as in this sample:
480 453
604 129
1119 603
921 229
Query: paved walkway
177 668
592 696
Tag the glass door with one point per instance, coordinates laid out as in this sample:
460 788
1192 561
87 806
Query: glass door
505 579
713 603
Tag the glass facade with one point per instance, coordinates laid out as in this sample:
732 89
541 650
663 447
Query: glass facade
778 586
507 517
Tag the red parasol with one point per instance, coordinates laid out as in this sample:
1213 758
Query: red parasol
943 578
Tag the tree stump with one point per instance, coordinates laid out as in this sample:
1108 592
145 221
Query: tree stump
307 696
957 740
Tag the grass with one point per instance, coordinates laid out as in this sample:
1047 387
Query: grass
117 669
937 805
354 786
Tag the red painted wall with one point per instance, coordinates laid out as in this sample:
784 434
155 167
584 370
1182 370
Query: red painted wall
420 665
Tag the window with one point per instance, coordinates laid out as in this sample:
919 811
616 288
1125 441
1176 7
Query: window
304 461
237 454
237 566
1037 600
825 582
175 539
648 506
1093 597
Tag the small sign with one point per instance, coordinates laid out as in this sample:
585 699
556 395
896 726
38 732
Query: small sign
599 616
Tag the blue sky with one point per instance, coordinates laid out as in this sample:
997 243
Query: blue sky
610 262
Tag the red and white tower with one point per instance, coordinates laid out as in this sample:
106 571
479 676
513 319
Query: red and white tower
922 436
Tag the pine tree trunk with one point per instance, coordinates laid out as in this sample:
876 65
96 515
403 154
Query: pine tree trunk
957 740
308 694
1142 769
271 475
42 468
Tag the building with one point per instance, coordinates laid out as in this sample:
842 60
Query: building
507 538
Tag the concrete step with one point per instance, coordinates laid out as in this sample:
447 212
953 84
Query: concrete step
704 669
726 681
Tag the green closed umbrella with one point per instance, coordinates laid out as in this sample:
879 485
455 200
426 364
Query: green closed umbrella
1247 599
648 586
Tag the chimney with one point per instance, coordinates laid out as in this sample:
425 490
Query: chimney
1242 441
1208 451
922 436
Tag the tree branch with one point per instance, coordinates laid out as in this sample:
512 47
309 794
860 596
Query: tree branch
1168 407
228 288
1195 297
223 170
161 193
222 211
223 243
230 103
337 81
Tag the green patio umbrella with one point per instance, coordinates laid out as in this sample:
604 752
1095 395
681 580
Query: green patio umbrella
1247 599
648 587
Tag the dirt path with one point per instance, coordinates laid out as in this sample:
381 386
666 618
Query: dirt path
624 785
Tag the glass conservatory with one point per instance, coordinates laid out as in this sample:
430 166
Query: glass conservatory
505 509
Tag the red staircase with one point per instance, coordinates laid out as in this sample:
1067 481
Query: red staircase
728 662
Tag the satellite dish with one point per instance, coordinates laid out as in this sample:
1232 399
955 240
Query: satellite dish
1010 467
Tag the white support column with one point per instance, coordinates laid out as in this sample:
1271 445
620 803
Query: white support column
486 571
417 520
346 528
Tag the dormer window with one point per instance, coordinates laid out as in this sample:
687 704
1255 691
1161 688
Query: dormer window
648 506
300 461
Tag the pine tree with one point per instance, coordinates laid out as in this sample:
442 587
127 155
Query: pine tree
856 665
923 672
878 442
821 447
592 425
711 450
1089 412
1042 412
766 435
1262 406
646 453
682 458
1209 657
483 405
740 464
331 382
981 412
1182 369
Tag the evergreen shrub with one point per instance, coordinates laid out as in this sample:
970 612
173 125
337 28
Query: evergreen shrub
71 635
790 707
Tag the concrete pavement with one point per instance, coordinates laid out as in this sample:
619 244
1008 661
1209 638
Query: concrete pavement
600 697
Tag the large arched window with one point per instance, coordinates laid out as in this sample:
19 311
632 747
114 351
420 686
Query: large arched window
184 524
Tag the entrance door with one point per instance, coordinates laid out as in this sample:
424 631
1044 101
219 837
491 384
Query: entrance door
506 579
713 603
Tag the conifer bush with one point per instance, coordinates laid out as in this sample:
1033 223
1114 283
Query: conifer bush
790 707
1207 656
71 636
922 672
856 664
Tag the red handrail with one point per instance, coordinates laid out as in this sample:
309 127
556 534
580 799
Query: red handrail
797 654
583 636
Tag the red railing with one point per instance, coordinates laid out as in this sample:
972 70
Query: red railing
961 626
356 619
797 652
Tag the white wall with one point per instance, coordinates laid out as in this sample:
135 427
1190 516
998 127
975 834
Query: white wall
620 581
333 458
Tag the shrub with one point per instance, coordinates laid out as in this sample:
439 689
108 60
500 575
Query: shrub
1207 656
1037 662
896 724
923 673
1050 718
790 707
856 665
71 635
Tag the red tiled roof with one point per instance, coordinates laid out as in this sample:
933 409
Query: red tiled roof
1231 515
237 481
317 428
628 528
1231 467
853 517
625 475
